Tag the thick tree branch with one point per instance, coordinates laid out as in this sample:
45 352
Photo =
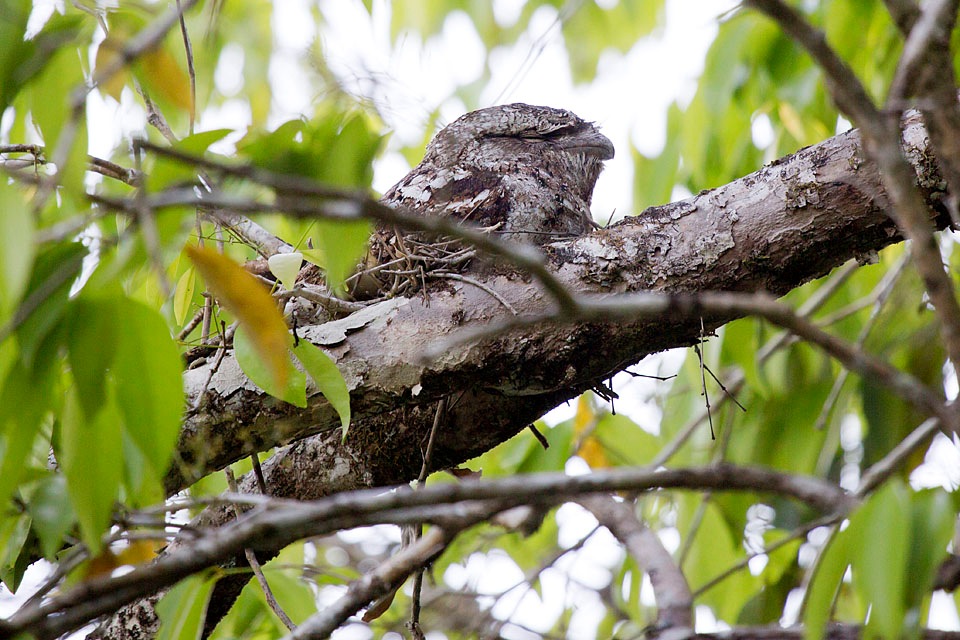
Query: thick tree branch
788 223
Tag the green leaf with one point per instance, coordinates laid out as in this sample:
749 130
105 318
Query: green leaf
183 608
561 439
337 146
183 295
626 442
880 557
53 517
167 171
92 459
91 343
15 50
53 274
328 379
827 575
712 552
149 390
295 391
26 395
931 525
343 245
592 29
14 531
21 60
61 74
16 229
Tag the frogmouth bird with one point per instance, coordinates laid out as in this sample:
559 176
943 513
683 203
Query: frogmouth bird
527 171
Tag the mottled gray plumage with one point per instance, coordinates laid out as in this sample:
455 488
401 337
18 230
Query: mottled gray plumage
531 170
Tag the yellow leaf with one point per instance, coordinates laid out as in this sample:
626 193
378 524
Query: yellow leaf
167 77
107 54
593 454
584 417
138 552
251 303
584 421
101 565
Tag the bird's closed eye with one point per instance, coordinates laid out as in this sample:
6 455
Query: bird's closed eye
547 135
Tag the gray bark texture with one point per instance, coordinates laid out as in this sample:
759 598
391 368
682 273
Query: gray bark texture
790 222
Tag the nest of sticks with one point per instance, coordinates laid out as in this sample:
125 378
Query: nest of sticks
399 264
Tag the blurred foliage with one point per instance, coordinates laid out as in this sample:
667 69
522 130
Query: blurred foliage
89 305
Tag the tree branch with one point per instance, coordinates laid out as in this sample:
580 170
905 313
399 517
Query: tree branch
670 588
275 523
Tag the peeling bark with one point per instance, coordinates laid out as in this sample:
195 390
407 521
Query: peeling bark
773 230
790 222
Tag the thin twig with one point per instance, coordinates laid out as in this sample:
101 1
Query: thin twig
105 168
542 439
725 304
438 419
188 50
811 305
258 474
255 564
328 302
880 294
698 349
883 468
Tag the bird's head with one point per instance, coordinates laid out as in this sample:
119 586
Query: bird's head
503 137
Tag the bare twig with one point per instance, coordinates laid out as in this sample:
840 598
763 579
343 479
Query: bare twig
473 281
188 49
255 564
887 465
697 348
374 584
318 296
105 168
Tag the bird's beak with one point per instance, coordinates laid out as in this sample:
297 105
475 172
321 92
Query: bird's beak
592 143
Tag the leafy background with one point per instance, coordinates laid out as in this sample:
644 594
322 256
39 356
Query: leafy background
350 93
